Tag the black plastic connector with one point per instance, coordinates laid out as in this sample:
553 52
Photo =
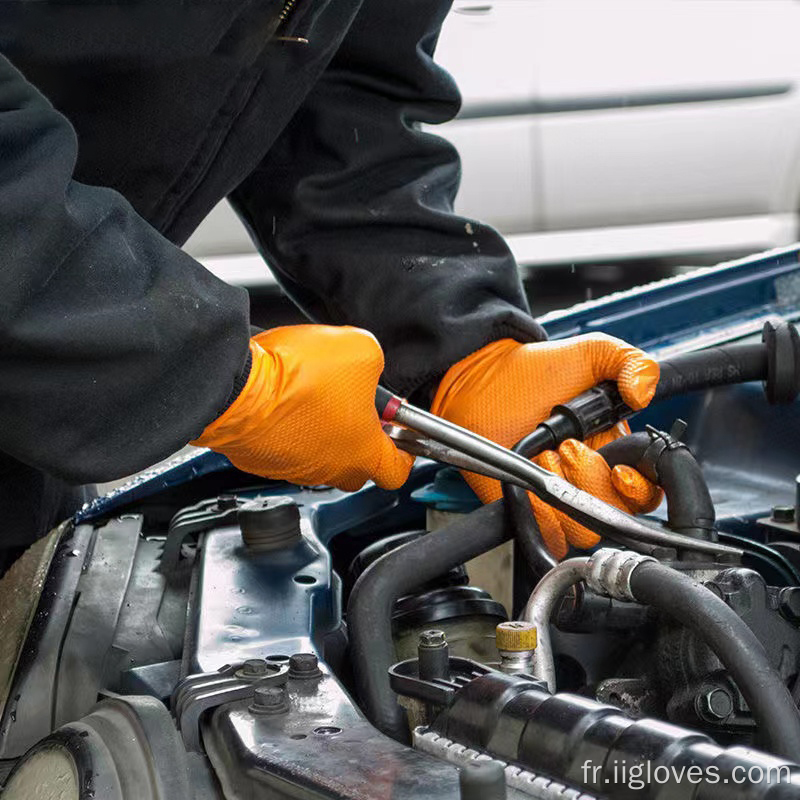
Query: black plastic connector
600 408
776 362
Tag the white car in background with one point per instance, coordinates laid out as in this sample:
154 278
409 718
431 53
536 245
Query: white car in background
606 131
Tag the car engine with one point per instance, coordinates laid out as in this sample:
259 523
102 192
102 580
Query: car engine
202 633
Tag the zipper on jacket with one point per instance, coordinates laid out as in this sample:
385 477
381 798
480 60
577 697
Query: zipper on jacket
283 17
287 9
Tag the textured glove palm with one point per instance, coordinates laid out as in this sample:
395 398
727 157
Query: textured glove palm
307 412
504 390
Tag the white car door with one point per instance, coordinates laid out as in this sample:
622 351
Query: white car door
486 46
656 111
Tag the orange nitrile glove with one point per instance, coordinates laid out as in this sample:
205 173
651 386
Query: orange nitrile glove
307 412
504 390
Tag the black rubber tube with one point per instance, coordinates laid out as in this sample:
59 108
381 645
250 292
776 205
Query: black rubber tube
675 470
399 572
720 627
684 373
522 522
716 366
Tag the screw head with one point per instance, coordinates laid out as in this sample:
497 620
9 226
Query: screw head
432 638
783 514
304 665
678 429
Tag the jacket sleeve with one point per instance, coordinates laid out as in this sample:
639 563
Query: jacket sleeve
116 348
353 207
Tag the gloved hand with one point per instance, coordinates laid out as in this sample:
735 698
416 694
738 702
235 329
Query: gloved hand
307 412
504 390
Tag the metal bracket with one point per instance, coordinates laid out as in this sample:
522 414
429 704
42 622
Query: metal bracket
405 680
196 519
200 693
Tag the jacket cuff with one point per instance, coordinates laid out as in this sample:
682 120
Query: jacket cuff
422 393
238 383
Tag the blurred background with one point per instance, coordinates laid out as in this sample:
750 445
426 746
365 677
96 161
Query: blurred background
612 143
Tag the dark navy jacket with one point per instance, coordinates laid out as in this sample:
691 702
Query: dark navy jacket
116 348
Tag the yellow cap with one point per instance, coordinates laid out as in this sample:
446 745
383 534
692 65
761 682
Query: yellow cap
515 637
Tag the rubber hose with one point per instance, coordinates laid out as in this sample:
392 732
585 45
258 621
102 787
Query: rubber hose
717 366
684 373
522 522
689 507
398 573
699 609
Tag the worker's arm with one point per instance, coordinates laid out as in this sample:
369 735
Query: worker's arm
116 348
353 205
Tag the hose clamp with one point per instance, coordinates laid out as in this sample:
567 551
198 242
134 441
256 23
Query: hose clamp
660 442
608 572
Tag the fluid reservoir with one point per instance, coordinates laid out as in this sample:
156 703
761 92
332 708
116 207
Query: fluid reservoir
449 496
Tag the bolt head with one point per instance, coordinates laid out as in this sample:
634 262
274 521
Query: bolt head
270 700
269 695
304 665
716 704
432 638
254 668
783 514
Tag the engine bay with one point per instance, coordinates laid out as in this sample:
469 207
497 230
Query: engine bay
200 633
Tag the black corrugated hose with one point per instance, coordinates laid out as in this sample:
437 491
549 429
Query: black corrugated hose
736 646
